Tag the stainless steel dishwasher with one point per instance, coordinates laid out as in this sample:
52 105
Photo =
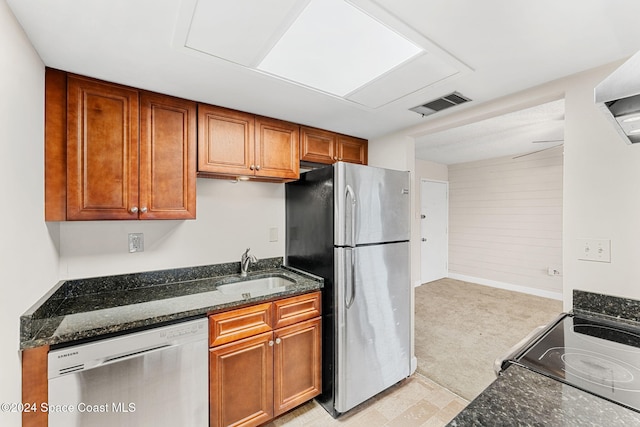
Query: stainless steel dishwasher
157 377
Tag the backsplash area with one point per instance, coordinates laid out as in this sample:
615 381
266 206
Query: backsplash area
615 308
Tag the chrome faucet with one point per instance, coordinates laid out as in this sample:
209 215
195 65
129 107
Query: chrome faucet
245 261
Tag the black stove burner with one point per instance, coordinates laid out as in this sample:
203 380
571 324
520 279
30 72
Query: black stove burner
597 358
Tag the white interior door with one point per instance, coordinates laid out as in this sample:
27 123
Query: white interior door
434 224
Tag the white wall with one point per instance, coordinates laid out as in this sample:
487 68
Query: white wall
230 218
601 181
430 171
28 255
505 222
602 196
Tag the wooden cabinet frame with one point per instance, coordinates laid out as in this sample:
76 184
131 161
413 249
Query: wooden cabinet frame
241 377
321 146
115 152
234 144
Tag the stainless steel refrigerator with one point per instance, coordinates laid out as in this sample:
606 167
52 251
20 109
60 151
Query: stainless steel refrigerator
350 225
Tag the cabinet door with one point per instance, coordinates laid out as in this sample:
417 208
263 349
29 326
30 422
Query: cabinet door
277 149
297 364
241 382
352 150
167 157
317 146
102 150
225 141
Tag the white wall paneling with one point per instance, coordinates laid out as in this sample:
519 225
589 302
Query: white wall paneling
506 220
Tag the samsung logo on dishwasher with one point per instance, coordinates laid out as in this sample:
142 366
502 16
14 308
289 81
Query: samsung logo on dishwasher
63 355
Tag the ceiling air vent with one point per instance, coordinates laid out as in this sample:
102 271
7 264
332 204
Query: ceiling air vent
436 105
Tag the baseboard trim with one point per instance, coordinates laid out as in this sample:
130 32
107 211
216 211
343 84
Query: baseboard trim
508 286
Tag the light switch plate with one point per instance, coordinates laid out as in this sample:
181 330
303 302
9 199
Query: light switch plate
136 242
273 234
598 250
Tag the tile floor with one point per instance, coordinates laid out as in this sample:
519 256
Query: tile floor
414 402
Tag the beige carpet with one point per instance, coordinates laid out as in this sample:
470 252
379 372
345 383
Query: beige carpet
461 328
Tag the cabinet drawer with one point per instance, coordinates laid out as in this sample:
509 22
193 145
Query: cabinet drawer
296 309
237 324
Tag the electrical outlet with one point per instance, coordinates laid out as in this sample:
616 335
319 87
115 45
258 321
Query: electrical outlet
552 271
136 242
598 250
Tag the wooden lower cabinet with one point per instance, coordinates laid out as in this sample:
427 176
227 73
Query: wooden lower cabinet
256 378
297 369
241 383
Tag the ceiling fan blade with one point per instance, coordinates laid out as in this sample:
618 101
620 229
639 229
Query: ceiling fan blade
534 152
547 140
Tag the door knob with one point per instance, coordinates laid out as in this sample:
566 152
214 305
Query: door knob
423 216
424 239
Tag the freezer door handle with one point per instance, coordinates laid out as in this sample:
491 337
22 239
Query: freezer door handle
351 279
349 194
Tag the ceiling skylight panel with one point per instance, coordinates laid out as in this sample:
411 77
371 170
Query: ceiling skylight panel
336 48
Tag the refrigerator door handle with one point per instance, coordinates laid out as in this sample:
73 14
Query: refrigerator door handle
351 280
348 193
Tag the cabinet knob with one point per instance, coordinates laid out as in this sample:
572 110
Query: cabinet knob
134 209
271 343
252 167
278 340
144 209
258 167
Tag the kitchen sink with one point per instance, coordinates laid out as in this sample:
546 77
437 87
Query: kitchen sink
256 286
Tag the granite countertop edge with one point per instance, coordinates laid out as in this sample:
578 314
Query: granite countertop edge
39 325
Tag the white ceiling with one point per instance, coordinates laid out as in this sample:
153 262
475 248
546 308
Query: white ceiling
484 50
512 134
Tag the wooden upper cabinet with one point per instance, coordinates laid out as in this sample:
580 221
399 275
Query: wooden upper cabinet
102 150
167 157
114 152
352 150
225 141
276 148
232 144
321 146
318 146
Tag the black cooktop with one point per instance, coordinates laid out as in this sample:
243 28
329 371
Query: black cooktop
600 358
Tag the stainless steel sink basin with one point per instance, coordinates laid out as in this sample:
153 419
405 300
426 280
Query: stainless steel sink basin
257 286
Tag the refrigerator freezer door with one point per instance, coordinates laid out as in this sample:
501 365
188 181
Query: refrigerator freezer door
373 315
372 205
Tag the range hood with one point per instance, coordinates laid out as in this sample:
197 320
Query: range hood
618 96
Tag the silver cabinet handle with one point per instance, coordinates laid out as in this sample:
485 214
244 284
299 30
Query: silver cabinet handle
278 340
258 167
252 167
271 343
144 209
134 209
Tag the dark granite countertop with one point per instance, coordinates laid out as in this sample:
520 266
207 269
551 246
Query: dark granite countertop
86 308
520 397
